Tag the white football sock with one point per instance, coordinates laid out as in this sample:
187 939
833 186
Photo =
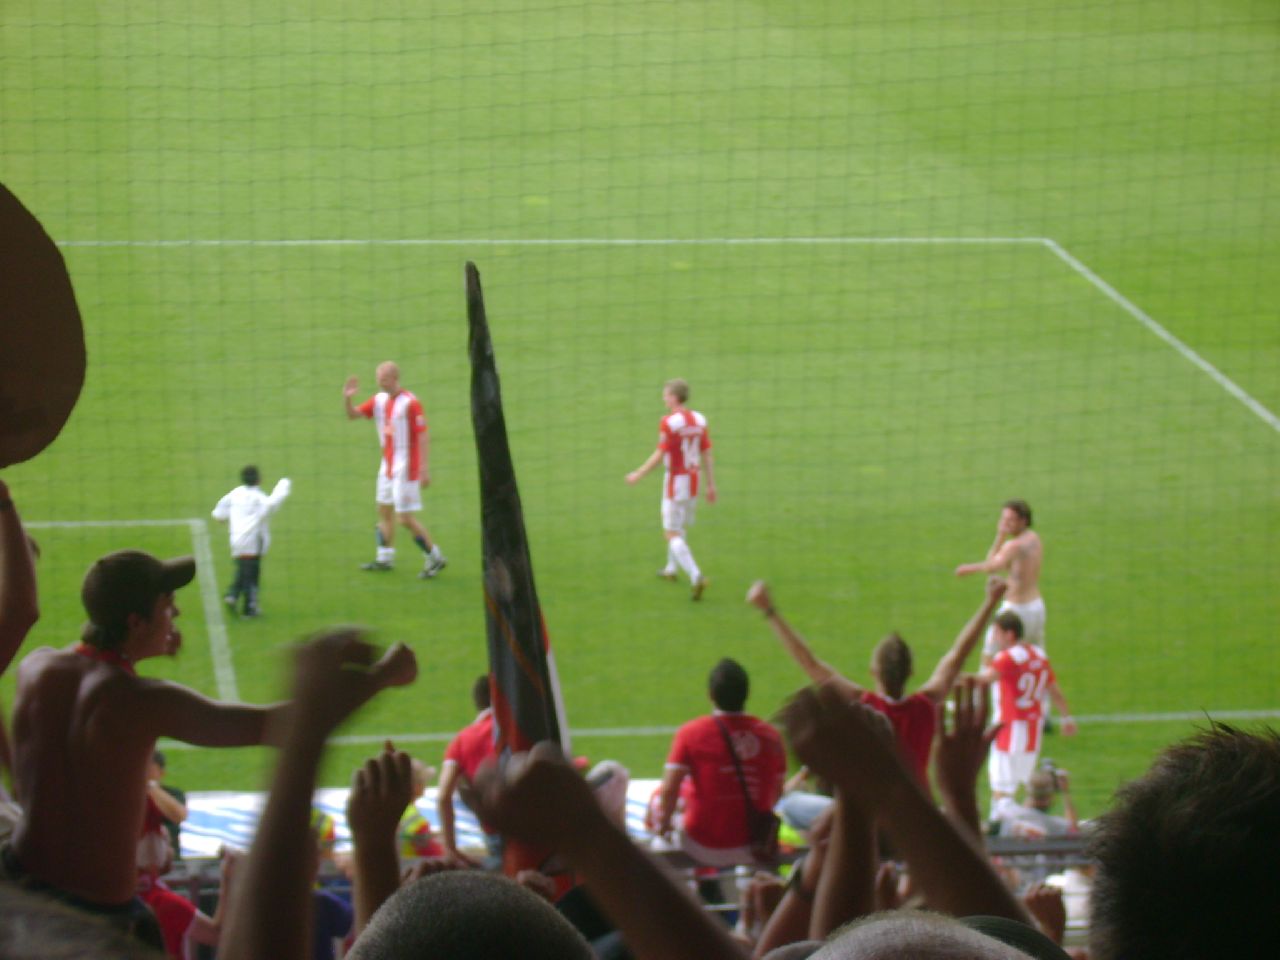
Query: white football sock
670 568
684 556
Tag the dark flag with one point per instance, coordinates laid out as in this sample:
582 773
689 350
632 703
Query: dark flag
527 706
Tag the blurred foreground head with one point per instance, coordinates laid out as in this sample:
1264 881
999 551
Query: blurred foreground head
468 915
920 935
1186 856
36 927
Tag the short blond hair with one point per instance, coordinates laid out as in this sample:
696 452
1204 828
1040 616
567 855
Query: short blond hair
677 388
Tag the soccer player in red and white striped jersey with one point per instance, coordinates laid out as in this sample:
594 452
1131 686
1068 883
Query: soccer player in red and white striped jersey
684 447
1025 678
403 469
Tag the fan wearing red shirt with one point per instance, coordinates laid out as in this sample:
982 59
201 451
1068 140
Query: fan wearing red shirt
713 830
1025 676
684 448
914 716
465 754
403 470
180 921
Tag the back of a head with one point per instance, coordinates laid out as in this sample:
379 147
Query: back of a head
480 694
250 477
891 663
728 685
913 935
1186 856
468 915
1042 787
36 927
1010 622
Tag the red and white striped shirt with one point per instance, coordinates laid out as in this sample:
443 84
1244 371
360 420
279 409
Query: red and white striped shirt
682 436
1024 675
400 422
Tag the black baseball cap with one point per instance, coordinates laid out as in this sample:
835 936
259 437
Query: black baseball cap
128 581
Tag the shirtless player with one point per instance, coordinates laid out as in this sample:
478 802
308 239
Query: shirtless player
1017 549
85 727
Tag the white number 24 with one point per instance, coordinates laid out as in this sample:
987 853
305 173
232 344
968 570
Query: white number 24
1031 688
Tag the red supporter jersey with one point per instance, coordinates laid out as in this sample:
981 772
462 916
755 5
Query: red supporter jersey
682 436
715 812
152 819
173 912
915 721
401 423
1024 675
473 745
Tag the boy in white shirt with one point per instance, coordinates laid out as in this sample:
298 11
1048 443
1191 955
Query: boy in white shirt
247 508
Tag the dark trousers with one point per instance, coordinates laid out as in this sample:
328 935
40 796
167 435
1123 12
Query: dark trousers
248 571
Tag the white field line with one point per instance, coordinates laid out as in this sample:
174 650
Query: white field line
224 670
1092 720
1129 307
560 242
100 524
219 645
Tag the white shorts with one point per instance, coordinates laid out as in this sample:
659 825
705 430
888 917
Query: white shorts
1032 616
678 514
1010 769
399 491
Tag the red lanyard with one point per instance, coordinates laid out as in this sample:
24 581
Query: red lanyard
114 657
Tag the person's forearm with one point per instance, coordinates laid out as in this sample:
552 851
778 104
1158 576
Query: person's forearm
169 806
789 922
949 667
962 807
797 649
279 493
19 604
1069 808
667 800
796 780
846 889
1059 702
275 725
225 892
6 755
271 916
648 465
444 807
377 875
996 544
658 919
951 869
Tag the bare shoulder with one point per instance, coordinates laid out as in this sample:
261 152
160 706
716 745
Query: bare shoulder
40 653
45 660
1028 541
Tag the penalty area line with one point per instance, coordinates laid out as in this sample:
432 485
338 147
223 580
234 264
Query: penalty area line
1144 318
224 672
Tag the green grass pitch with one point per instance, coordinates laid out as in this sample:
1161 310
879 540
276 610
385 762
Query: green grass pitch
871 401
